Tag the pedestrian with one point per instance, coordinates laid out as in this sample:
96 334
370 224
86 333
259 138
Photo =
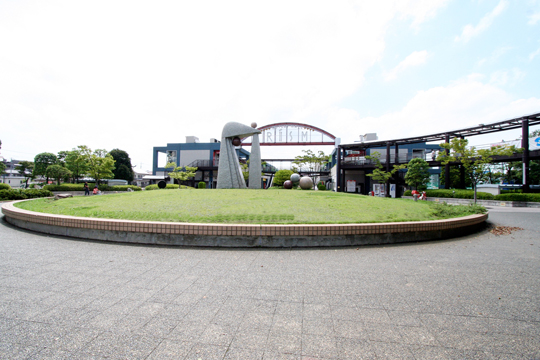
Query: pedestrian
86 189
95 192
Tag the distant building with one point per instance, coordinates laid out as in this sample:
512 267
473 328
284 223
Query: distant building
203 156
11 176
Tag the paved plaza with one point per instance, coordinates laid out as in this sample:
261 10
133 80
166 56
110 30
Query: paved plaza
476 297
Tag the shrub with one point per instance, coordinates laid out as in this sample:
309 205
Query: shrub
80 187
456 194
321 186
282 176
16 194
518 197
201 185
4 186
168 187
445 211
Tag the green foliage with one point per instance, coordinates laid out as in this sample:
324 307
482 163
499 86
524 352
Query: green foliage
100 163
475 162
201 185
57 172
378 173
4 186
281 176
181 173
321 186
80 187
456 194
42 161
168 187
417 173
518 197
313 162
445 211
76 162
123 168
25 168
2 167
17 194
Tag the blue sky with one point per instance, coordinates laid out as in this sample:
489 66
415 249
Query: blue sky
134 75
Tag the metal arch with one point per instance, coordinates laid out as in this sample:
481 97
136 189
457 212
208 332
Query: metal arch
306 126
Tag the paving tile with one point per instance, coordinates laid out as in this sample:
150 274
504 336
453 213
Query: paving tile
320 347
171 349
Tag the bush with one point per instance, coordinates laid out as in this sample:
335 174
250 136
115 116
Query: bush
518 197
80 187
15 194
321 186
4 186
201 185
281 176
456 194
168 187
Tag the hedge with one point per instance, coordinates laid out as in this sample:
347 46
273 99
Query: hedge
4 186
518 197
456 194
80 187
169 186
201 185
17 194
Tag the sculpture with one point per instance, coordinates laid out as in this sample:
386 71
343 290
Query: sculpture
229 172
255 165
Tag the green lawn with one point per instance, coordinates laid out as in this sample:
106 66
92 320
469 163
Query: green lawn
248 206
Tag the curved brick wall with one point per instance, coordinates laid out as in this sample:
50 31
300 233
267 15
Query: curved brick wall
231 235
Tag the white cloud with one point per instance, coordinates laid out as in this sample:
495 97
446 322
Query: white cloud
470 31
533 19
463 103
534 54
131 75
414 59
420 10
506 77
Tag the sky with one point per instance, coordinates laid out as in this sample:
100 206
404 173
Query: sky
133 75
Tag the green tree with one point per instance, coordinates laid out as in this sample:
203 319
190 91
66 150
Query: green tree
41 162
312 162
25 168
100 163
380 175
475 162
57 172
181 173
77 163
124 169
281 176
417 173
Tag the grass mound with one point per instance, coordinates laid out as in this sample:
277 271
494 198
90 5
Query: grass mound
249 207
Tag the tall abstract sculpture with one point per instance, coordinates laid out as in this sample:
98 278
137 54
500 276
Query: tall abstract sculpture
229 172
255 165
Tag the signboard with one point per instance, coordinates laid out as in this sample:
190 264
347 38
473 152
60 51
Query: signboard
351 185
292 134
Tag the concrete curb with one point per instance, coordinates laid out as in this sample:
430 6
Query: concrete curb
238 235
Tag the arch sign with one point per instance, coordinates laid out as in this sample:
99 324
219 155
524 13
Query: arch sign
281 134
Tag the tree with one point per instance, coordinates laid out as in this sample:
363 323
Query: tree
41 162
124 169
281 176
475 162
76 163
417 173
57 172
313 162
24 168
181 173
381 175
100 163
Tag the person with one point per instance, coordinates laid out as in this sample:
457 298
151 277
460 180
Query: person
96 190
86 189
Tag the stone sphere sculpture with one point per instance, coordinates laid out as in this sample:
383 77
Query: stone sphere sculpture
295 178
254 125
237 141
287 184
306 183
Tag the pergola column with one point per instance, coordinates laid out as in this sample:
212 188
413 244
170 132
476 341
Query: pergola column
338 169
447 166
387 168
525 156
396 161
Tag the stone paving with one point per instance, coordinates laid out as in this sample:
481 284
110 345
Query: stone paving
477 297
